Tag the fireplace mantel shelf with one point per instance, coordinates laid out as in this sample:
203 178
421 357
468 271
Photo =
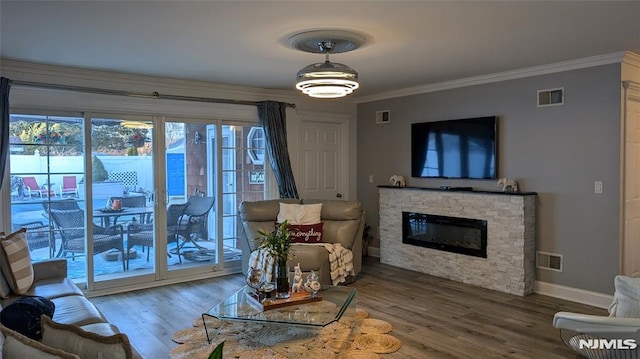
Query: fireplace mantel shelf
453 189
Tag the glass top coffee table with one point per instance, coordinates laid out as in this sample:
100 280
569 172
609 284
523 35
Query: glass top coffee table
336 300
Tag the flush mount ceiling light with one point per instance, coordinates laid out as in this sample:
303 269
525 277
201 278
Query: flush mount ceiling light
327 79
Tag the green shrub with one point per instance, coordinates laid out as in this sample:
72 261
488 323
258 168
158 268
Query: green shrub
97 170
132 151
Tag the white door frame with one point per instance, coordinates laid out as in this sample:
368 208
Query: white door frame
631 94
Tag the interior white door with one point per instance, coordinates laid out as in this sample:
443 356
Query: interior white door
631 230
322 160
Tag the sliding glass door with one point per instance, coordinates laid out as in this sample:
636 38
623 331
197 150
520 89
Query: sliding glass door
47 168
156 199
122 190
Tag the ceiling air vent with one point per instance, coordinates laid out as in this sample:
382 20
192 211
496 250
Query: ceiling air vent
551 97
550 261
383 116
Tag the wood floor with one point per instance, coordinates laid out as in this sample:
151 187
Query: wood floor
434 317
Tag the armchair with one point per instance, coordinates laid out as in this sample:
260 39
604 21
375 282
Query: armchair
599 337
343 222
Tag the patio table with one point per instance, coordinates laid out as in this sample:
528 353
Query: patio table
107 216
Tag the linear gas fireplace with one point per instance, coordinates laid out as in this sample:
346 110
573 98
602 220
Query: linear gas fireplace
452 234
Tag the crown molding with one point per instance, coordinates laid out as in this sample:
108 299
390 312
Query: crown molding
592 61
631 58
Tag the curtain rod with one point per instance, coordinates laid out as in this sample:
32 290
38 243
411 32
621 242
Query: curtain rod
155 95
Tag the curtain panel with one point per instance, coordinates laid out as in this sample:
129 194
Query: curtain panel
5 84
273 119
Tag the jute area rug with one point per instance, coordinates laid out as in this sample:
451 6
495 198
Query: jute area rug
353 337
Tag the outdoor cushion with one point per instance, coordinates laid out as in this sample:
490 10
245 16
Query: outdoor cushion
16 265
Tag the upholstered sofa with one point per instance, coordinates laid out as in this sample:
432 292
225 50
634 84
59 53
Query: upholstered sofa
343 222
72 308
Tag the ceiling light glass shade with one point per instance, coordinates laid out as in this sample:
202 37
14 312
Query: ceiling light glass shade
327 80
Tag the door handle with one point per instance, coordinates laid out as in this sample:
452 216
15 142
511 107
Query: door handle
339 195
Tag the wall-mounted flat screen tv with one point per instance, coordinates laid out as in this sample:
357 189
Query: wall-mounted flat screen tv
464 148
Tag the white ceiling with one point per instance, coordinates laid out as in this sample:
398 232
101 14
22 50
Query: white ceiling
409 43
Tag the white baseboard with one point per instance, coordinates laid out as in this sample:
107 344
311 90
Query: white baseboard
573 294
552 290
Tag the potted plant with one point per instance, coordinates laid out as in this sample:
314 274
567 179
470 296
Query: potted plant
278 244
137 139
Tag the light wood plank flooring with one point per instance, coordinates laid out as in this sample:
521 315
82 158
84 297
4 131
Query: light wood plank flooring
434 317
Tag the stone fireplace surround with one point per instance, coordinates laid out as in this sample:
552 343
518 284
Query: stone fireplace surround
510 263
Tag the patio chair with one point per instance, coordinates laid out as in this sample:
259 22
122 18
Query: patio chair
70 225
142 234
175 216
63 204
69 186
37 236
31 184
194 223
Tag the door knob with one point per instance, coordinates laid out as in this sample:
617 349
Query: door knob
339 195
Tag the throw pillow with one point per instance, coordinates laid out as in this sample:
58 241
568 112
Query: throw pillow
16 265
300 213
17 345
306 233
74 339
24 314
5 290
626 302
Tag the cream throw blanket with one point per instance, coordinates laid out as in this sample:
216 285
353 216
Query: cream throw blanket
340 260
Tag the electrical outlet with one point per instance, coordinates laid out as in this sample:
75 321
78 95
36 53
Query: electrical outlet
370 178
598 187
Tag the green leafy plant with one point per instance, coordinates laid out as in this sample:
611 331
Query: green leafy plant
217 352
278 241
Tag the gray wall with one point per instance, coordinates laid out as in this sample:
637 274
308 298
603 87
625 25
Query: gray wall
557 152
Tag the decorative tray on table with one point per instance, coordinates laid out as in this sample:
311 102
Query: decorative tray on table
273 303
109 210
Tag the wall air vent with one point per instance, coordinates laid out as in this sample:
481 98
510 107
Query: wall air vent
551 97
550 261
383 116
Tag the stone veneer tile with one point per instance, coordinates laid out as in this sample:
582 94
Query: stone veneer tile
509 266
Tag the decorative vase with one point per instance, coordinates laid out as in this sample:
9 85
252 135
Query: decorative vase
312 285
282 278
255 278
